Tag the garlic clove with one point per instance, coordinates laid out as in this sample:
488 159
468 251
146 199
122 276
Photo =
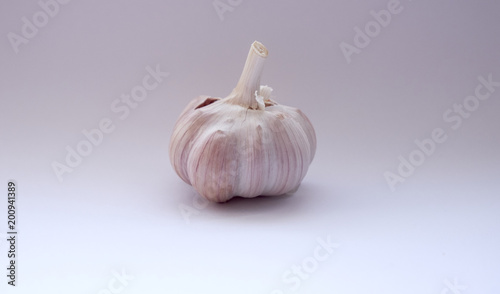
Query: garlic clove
245 144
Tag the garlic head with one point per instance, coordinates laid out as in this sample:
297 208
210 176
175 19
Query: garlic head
245 144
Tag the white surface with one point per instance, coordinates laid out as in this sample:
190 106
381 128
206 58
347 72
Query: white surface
120 208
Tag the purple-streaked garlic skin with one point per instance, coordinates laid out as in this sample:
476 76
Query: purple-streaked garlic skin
245 144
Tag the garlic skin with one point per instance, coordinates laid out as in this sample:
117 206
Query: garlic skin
245 144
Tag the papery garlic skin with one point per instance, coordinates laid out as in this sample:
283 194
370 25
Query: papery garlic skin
245 144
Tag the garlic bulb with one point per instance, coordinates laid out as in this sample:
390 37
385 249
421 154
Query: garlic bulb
245 144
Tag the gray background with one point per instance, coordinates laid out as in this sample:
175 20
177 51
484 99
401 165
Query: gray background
120 209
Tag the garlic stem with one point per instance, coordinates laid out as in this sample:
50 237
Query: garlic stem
249 83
